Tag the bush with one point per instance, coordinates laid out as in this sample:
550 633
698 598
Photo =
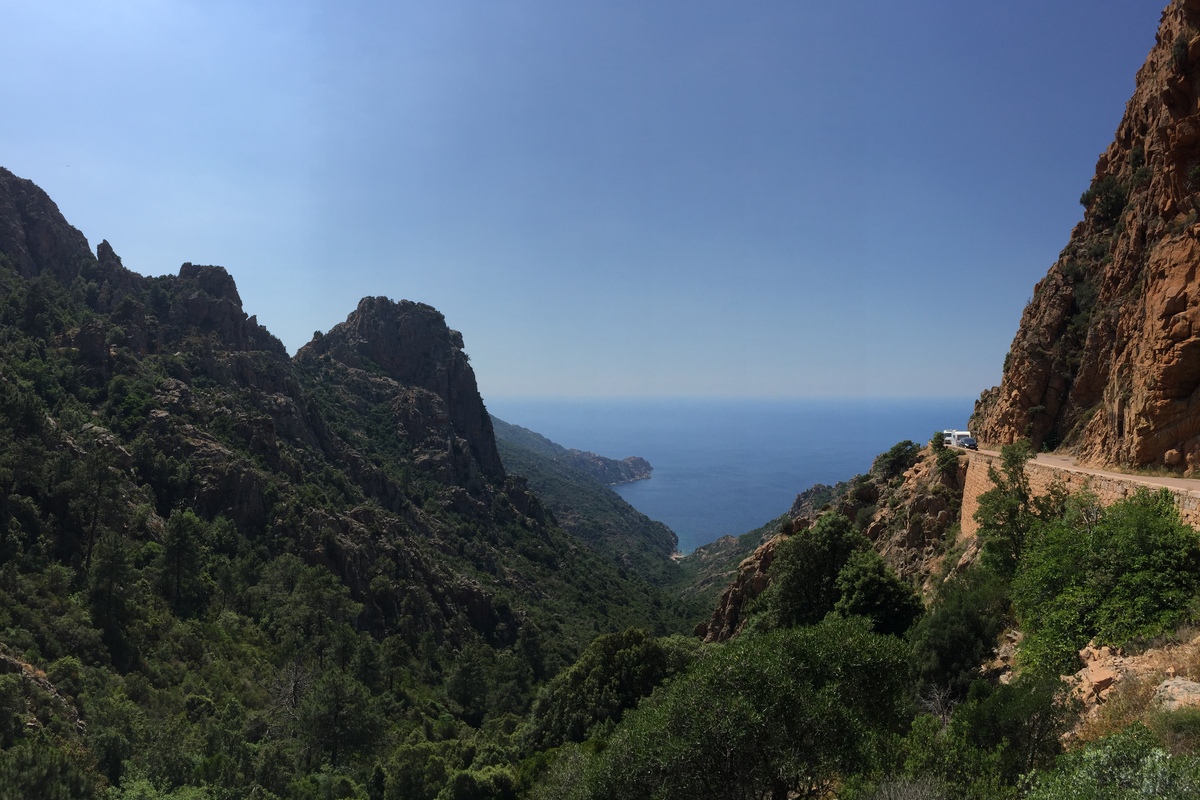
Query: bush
998 735
896 460
804 576
869 588
1124 572
1105 199
787 711
611 676
959 632
947 462
1127 766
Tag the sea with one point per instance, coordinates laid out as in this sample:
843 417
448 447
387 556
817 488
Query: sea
725 467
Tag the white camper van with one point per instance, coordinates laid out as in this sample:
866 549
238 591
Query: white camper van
960 439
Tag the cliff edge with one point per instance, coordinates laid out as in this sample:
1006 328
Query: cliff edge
1106 361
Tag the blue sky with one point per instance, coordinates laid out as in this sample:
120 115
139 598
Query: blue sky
608 199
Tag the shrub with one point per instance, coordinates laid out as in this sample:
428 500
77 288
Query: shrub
611 676
1124 572
870 588
895 461
1127 766
959 632
947 462
1106 200
804 575
788 711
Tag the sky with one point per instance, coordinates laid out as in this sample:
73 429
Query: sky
785 198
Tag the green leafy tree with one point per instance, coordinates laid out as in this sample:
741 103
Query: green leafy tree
1118 573
1007 512
871 589
467 682
111 596
959 632
337 719
41 769
783 714
182 574
804 575
611 676
896 460
997 736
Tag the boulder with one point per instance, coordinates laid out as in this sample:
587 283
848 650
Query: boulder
1176 693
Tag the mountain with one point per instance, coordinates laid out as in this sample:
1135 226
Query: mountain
574 486
607 471
1106 361
244 570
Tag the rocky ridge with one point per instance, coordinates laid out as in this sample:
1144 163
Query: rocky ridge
403 354
911 520
370 452
1106 361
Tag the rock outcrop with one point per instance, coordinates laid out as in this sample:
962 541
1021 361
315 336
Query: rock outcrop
910 519
34 237
1106 361
751 580
413 356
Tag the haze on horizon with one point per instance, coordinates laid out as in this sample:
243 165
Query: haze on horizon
616 199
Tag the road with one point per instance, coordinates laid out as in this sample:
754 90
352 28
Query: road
1067 463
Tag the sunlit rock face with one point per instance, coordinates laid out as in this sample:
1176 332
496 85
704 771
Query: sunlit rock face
1106 361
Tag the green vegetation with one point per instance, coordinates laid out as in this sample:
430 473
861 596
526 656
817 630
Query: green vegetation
587 508
784 714
610 677
225 573
895 461
230 568
831 567
1127 766
1116 574
1106 199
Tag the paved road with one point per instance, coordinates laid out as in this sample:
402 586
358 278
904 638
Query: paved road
1067 463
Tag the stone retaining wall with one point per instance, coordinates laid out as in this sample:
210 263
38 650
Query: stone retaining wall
1107 488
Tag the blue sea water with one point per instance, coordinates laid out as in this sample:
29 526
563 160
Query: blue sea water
728 466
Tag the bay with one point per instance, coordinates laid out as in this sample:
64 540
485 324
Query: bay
724 467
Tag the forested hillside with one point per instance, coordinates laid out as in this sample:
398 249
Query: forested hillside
222 567
230 573
573 486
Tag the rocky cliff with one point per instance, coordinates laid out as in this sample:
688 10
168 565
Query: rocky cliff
34 237
369 453
1106 361
406 356
907 507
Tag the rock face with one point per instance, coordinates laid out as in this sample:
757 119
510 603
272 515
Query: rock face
1176 693
752 578
1106 361
435 401
909 519
33 234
